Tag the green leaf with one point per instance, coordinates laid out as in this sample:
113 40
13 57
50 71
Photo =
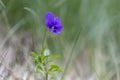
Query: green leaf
54 68
43 49
55 56
36 68
33 54
39 59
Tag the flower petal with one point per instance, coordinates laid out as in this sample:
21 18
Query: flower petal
53 23
58 29
49 17
49 24
58 26
57 21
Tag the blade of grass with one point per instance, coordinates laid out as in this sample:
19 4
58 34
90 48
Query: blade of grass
32 12
3 56
2 4
12 31
112 49
70 56
6 19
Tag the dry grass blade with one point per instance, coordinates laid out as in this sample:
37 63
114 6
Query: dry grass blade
11 32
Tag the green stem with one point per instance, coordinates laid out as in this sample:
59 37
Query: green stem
43 46
70 56
46 77
46 71
44 39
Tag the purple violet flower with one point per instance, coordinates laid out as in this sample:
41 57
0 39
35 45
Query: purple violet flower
53 23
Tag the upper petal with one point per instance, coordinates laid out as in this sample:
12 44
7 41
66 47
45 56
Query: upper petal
49 24
57 21
49 17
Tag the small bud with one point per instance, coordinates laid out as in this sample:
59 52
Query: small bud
46 52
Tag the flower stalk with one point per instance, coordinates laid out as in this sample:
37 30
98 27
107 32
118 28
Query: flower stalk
43 47
43 61
46 75
44 39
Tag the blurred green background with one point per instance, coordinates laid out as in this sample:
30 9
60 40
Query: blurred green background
91 31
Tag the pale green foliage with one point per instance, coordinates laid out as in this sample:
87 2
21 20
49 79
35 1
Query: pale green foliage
44 63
